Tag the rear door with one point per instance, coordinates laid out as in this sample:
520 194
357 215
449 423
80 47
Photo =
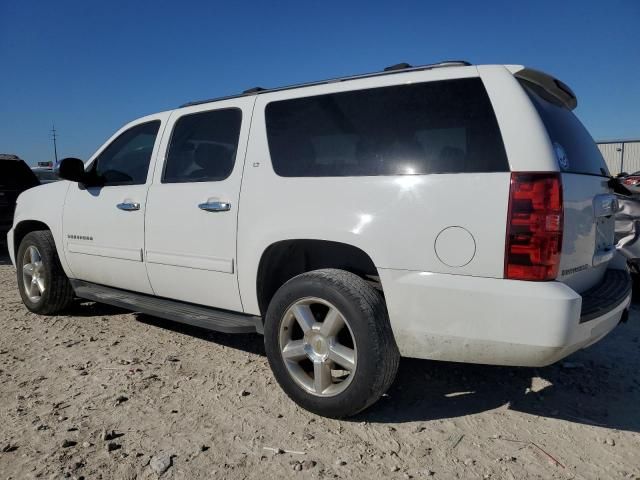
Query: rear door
589 205
191 220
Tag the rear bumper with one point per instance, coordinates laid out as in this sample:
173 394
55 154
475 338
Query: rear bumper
492 321
613 290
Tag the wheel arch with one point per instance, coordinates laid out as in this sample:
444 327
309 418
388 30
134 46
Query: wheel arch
285 259
25 227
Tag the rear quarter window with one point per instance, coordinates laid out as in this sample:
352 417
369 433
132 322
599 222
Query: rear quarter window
567 134
432 127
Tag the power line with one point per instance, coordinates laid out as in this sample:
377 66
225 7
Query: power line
54 136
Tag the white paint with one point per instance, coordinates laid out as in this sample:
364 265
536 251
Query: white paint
579 237
42 204
394 219
486 320
114 255
191 252
437 240
455 246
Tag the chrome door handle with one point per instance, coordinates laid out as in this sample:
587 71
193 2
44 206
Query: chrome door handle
128 206
215 206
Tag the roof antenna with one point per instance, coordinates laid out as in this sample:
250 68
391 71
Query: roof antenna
254 90
398 66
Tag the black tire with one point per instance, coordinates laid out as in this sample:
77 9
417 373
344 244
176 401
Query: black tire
364 309
58 293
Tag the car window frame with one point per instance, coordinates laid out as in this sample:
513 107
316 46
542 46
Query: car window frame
174 124
550 119
505 167
94 162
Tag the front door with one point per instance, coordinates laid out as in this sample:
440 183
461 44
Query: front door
192 206
103 226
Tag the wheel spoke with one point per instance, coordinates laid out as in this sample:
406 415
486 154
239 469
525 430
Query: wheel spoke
33 290
34 255
321 376
28 269
344 356
294 350
332 324
40 285
327 343
304 317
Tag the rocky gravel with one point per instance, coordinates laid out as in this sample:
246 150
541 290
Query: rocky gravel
102 393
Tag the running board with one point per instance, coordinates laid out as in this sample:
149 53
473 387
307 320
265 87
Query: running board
196 315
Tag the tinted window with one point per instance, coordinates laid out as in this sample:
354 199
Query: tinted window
16 174
126 160
565 130
203 147
435 127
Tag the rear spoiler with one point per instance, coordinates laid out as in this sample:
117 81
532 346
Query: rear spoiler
554 87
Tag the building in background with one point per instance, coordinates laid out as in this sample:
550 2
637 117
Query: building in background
621 155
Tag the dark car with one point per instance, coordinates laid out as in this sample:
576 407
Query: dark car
15 178
45 175
631 181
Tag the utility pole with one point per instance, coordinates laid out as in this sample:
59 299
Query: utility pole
55 145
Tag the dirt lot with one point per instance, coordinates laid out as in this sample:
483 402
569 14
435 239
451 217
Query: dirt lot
101 393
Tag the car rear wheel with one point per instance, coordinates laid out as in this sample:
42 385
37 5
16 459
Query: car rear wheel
329 342
43 285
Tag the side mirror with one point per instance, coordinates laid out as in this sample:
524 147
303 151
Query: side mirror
72 169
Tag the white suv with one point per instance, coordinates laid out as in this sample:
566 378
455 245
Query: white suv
449 212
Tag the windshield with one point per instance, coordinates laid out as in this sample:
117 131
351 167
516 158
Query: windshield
574 147
46 175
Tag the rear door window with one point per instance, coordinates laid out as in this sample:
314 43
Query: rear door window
434 127
203 147
575 149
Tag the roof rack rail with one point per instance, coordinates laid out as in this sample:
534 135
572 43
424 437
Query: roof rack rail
398 68
254 90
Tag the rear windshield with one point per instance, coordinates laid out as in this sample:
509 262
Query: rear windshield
16 174
432 127
574 147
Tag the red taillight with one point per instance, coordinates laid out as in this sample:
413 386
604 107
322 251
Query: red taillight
534 227
631 181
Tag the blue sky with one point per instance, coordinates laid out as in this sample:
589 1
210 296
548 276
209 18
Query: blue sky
92 66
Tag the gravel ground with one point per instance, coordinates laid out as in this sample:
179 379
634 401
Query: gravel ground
102 393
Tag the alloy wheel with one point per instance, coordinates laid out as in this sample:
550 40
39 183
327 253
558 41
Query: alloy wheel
33 276
318 347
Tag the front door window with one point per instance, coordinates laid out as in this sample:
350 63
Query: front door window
126 160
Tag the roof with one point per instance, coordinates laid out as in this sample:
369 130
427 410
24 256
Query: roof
393 69
9 156
619 140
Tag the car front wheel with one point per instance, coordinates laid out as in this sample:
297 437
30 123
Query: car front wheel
43 285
